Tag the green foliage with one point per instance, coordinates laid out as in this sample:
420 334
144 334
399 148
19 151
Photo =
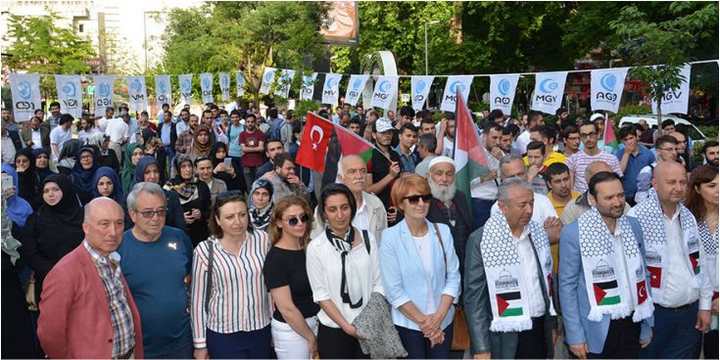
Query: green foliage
710 132
303 106
632 110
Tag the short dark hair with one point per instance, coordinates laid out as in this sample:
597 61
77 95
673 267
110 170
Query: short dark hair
337 189
535 145
626 131
222 199
492 126
603 176
250 115
235 112
428 141
64 118
272 140
427 120
569 130
556 168
709 144
164 105
667 122
356 120
407 111
513 129
546 131
272 112
497 113
408 126
280 160
199 159
54 103
665 139
534 115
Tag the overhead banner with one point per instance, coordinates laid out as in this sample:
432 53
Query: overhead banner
206 87
69 94
282 88
676 101
420 88
308 86
606 88
385 92
356 85
453 84
224 79
163 90
137 92
25 90
549 90
502 92
331 89
186 87
240 83
267 80
103 93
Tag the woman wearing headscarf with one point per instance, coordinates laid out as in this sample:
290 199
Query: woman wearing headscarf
201 143
42 164
194 197
107 183
261 204
68 156
147 169
27 177
133 154
153 147
83 172
231 175
106 156
54 230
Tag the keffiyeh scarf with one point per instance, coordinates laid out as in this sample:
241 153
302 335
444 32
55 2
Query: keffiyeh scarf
710 254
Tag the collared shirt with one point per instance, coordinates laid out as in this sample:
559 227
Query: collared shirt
181 127
117 130
165 132
529 273
362 217
622 268
120 314
59 136
676 270
407 161
36 139
635 164
422 168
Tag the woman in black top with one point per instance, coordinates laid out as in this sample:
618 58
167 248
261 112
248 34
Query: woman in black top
42 164
106 156
195 199
231 175
295 313
84 171
27 177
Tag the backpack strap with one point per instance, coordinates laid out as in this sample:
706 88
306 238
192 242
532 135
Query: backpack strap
209 279
366 240
439 237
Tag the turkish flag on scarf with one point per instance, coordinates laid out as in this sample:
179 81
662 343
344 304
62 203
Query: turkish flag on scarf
314 142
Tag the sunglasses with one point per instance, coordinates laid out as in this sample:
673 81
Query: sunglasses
149 214
297 220
414 199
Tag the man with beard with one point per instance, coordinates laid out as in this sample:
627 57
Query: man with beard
590 153
446 135
384 171
607 310
579 206
284 180
273 147
710 152
484 189
184 141
506 139
449 206
252 141
665 150
427 143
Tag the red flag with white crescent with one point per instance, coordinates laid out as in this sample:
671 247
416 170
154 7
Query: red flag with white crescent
314 143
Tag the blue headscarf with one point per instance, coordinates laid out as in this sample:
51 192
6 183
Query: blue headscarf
82 178
117 193
143 163
18 209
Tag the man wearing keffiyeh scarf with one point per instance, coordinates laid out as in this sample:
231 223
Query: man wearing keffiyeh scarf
607 309
680 290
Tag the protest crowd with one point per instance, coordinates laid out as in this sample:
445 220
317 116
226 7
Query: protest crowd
203 235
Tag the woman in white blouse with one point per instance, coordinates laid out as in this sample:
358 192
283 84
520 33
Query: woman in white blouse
343 268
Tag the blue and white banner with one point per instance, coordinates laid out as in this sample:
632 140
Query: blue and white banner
186 87
206 87
549 90
163 90
355 87
239 83
676 101
606 88
502 92
282 88
308 86
25 90
385 92
104 92
453 84
331 89
420 88
224 80
69 94
267 80
137 92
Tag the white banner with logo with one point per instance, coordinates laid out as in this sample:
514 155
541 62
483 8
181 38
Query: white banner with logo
137 92
331 89
206 87
224 80
239 83
385 92
355 87
453 84
606 88
267 80
282 88
502 92
186 87
163 90
549 90
25 90
69 94
103 93
676 101
308 86
420 88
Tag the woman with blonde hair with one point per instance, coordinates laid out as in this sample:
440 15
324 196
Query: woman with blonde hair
294 324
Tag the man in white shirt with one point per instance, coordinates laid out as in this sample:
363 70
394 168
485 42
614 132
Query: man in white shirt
117 130
101 123
483 190
60 134
534 119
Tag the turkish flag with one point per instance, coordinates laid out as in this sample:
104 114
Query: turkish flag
655 276
641 291
314 142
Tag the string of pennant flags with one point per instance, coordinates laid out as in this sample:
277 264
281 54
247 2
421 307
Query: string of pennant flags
606 87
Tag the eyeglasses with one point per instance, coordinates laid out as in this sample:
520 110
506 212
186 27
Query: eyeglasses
297 220
587 135
149 214
414 199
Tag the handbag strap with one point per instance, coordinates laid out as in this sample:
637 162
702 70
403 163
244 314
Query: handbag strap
439 237
209 278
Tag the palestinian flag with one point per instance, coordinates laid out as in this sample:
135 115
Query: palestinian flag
352 144
655 276
470 161
641 291
695 262
509 303
607 292
609 135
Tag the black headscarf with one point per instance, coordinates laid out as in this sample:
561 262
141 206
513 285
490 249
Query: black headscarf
43 173
27 180
67 211
213 152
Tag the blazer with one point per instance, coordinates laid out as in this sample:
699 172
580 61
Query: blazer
403 275
26 135
74 312
173 132
573 296
478 314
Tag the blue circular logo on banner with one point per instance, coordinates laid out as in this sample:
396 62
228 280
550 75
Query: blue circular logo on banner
384 86
186 84
24 90
356 84
548 85
504 87
104 90
331 82
457 86
269 75
225 81
308 81
206 82
69 89
420 86
161 87
608 82
136 85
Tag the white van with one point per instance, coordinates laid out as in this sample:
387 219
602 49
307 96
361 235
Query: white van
693 132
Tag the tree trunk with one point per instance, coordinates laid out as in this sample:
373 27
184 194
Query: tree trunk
456 22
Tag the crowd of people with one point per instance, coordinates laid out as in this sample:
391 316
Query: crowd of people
200 237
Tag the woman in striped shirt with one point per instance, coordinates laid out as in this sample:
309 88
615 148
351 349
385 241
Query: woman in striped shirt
294 323
230 305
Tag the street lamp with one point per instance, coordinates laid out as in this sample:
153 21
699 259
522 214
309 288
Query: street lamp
426 42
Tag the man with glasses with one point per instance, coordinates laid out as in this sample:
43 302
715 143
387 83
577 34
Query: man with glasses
590 153
162 295
571 140
665 150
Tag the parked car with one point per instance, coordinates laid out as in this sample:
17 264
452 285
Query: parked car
696 136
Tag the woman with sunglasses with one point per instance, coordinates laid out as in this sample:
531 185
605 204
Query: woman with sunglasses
420 273
294 324
230 305
343 269
195 199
